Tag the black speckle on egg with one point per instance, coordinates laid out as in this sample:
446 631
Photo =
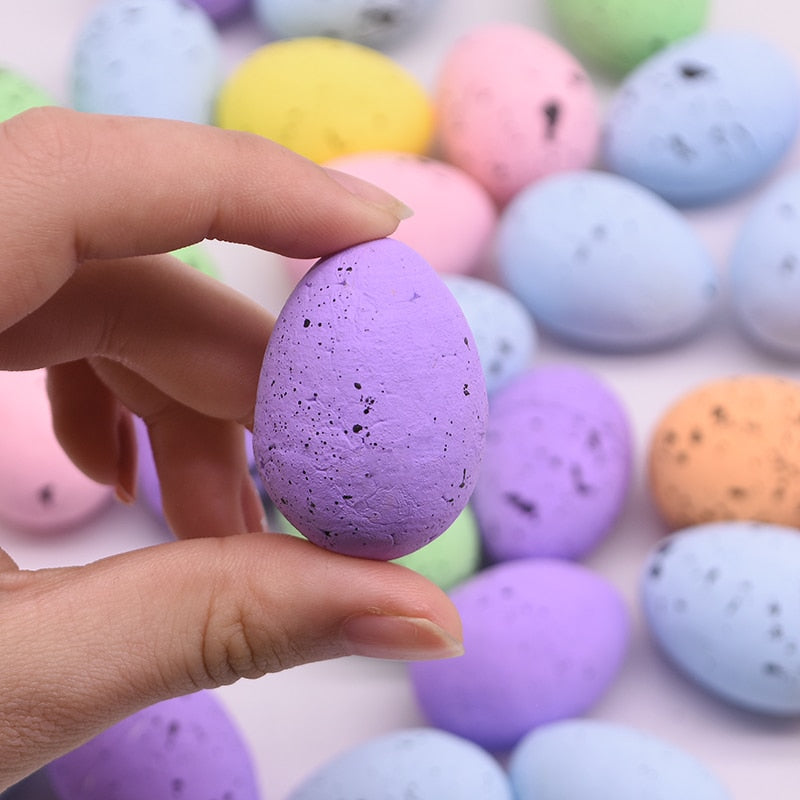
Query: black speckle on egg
693 71
552 113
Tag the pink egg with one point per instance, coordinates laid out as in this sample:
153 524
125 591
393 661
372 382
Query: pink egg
513 106
40 488
454 216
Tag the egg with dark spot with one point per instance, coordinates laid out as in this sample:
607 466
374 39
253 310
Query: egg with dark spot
371 411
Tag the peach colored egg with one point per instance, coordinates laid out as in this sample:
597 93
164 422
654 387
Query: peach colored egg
512 106
454 216
729 450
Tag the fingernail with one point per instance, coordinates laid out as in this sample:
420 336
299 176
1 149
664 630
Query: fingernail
371 193
399 638
125 489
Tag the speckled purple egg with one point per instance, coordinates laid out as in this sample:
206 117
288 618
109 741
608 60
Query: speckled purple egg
557 465
371 411
544 639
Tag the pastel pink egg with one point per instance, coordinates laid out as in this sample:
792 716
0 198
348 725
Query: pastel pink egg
454 216
513 106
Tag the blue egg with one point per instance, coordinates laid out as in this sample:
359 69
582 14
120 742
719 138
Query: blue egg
722 600
587 759
148 58
418 763
765 269
704 119
504 331
604 263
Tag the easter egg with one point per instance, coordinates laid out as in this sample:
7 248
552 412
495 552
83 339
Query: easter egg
419 763
728 449
149 58
504 330
616 35
184 747
371 409
513 106
326 98
223 10
704 119
590 759
764 269
544 639
721 602
556 467
17 94
605 264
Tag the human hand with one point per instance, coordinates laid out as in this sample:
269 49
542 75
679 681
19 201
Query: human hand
88 204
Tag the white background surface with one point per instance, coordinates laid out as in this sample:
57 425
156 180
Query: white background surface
297 720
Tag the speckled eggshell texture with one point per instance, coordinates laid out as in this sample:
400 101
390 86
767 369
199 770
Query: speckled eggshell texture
704 119
187 747
512 106
18 94
721 601
371 411
729 449
544 639
557 465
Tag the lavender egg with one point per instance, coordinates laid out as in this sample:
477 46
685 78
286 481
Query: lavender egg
371 411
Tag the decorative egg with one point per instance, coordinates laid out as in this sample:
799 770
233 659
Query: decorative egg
371 410
544 639
326 98
17 94
728 449
721 601
704 119
605 264
556 468
224 10
149 58
513 106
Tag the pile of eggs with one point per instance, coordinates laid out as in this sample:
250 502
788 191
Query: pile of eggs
543 214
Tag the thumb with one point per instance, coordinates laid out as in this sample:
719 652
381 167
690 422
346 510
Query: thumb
84 647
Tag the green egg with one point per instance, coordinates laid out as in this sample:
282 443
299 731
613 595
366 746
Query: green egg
616 35
18 94
197 256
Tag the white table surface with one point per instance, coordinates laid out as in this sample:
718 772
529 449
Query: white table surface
296 720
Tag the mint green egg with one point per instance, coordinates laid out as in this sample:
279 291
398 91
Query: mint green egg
17 94
616 35
197 256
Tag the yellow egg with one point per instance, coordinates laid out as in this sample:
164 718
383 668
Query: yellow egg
325 98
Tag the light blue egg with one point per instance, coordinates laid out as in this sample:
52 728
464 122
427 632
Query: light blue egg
504 331
722 600
418 763
371 22
704 119
604 263
765 268
586 759
149 58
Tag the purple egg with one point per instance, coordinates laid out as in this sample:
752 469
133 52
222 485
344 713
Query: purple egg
371 411
223 10
556 468
544 639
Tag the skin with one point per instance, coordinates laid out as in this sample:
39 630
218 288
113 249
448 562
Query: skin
89 205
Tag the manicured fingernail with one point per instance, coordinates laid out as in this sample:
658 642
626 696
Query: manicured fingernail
398 638
371 193
125 489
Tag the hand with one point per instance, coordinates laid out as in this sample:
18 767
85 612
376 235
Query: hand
88 203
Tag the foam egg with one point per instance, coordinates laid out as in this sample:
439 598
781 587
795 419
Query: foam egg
728 449
721 601
504 331
223 10
513 106
365 21
764 269
454 218
326 98
544 639
41 490
18 94
616 35
556 468
704 119
184 747
606 264
585 759
149 58
418 763
371 410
